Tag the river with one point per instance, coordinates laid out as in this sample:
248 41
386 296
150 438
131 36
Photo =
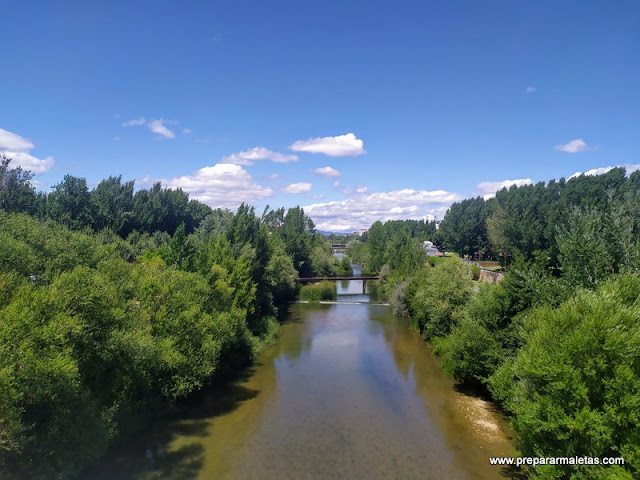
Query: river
347 391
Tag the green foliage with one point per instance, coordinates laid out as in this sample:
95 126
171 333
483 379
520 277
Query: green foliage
16 192
471 352
99 333
475 272
316 292
280 275
433 260
463 229
578 393
70 203
594 245
296 233
398 299
524 220
439 300
113 205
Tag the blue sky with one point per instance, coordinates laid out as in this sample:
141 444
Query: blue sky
412 104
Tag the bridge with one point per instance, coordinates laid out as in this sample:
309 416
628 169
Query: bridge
364 279
344 277
339 247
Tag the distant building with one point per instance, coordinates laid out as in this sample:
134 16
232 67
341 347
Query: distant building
362 231
430 248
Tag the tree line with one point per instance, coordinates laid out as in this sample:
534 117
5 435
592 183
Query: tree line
116 303
557 343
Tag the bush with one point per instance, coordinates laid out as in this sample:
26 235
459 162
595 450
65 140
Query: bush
440 298
475 272
316 292
578 393
433 261
398 299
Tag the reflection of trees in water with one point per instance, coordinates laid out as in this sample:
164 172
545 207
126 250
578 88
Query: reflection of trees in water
295 335
413 358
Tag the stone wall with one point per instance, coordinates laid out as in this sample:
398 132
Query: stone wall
490 277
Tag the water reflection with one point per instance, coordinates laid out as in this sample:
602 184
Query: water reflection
348 391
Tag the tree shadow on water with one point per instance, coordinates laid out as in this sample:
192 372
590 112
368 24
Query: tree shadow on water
151 455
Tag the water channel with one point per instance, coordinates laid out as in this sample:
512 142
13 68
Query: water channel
347 391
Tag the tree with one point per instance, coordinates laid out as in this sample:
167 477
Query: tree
16 191
70 203
113 203
578 393
296 233
498 238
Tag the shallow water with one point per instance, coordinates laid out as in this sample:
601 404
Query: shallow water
347 391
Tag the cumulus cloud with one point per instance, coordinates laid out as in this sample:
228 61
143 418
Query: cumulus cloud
574 146
326 172
340 146
629 167
156 126
300 187
489 189
249 157
362 210
219 186
530 89
17 148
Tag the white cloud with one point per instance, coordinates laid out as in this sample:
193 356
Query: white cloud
489 189
362 189
12 142
249 157
336 184
155 126
529 90
299 187
629 167
362 210
17 148
219 186
187 131
340 146
158 126
574 146
134 122
326 172
274 177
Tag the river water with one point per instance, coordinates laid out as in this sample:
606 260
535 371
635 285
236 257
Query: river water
347 391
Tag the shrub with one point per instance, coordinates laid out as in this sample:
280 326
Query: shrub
475 272
440 298
316 292
398 299
578 393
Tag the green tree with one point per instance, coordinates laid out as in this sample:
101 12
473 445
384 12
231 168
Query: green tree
578 393
296 233
70 203
16 191
113 205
